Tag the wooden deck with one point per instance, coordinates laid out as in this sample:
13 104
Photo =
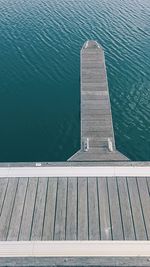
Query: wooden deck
68 208
96 118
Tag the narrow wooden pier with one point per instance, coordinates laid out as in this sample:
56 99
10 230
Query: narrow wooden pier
97 135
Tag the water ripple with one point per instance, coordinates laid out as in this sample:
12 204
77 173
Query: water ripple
39 52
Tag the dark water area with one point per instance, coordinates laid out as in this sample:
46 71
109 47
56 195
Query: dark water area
40 44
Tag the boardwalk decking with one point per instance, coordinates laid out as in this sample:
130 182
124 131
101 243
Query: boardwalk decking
96 118
85 208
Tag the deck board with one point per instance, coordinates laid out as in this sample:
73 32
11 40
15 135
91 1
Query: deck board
115 212
83 231
39 210
136 209
3 188
26 223
145 202
7 208
127 220
148 184
93 210
48 229
16 215
60 228
71 222
105 225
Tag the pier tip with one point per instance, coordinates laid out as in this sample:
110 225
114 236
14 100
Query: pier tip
91 44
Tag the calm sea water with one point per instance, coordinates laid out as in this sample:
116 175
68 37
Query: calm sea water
40 42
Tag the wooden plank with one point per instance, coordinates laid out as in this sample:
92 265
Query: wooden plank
89 58
90 77
26 223
102 94
92 66
39 210
96 123
96 117
60 217
97 128
3 188
93 78
99 88
75 261
16 216
95 106
103 103
98 142
99 112
96 80
48 229
95 85
7 208
105 225
148 184
116 220
145 203
94 97
127 220
140 230
71 223
92 72
82 210
93 209
98 133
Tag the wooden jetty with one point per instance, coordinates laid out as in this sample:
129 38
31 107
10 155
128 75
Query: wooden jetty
93 210
97 134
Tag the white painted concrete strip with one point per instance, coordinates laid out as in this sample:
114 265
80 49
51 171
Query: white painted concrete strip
75 248
74 171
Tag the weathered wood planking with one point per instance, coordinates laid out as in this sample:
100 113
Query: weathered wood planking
13 232
137 212
83 227
104 210
145 201
60 216
94 79
49 220
39 210
3 188
72 208
115 211
96 118
93 210
26 223
75 261
127 220
71 221
7 208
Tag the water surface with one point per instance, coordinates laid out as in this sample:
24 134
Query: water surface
40 44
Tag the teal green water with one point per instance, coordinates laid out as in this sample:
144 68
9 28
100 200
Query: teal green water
40 42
